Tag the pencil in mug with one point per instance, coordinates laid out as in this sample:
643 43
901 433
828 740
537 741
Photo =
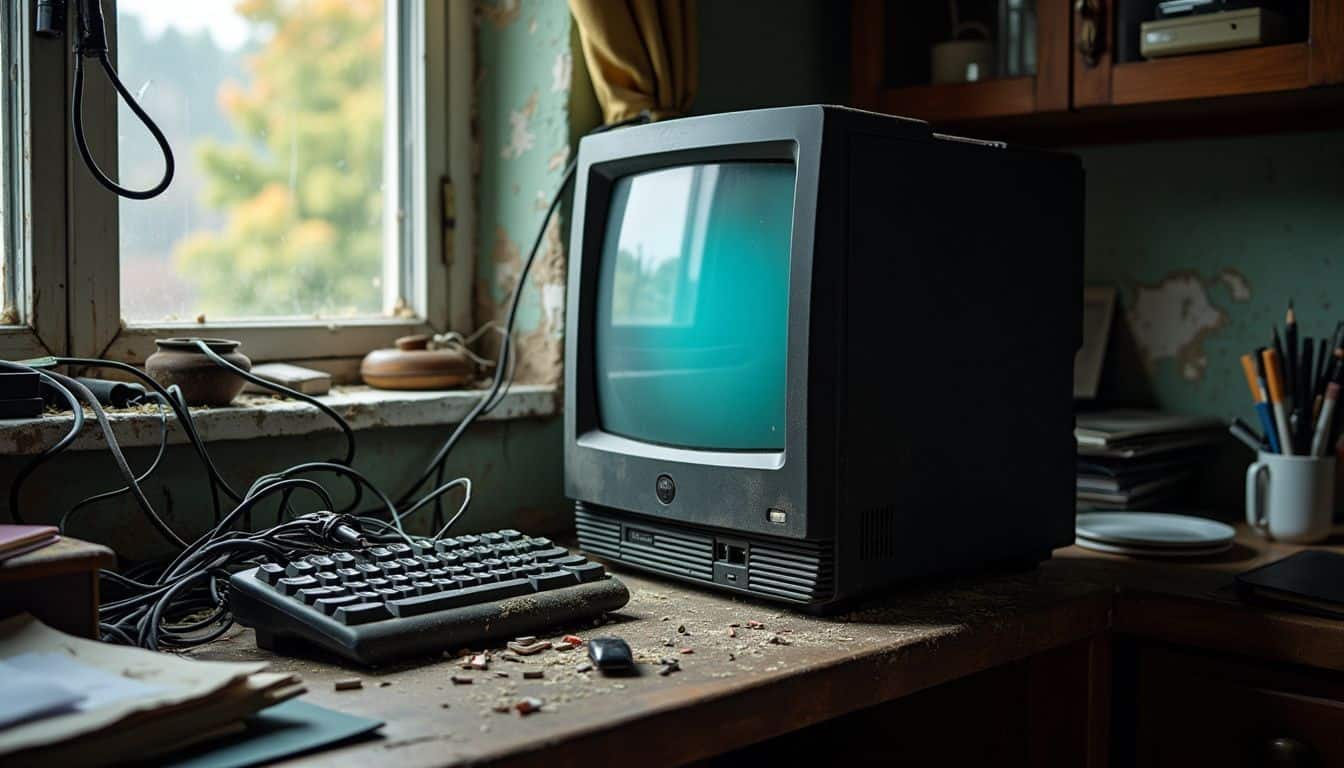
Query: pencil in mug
1323 425
1257 384
1274 377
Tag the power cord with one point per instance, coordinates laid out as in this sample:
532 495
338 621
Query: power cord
91 43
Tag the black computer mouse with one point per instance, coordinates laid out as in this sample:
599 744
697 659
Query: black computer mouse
610 654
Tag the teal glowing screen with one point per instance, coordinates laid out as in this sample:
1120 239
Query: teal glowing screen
692 306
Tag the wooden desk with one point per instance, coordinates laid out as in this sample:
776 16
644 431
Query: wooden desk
1025 657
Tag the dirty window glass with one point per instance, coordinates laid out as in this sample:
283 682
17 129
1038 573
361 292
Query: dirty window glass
275 110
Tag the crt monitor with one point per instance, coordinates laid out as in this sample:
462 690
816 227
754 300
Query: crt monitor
811 351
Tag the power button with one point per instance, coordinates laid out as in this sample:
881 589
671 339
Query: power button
665 488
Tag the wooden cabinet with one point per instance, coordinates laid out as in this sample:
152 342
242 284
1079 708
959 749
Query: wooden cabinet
880 28
1191 708
1088 88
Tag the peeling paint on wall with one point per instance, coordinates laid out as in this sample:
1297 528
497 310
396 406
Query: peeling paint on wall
1236 284
526 73
1172 319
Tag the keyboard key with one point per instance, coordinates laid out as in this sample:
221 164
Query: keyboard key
467 541
491 538
362 613
343 559
571 560
355 586
465 581
381 553
400 550
510 535
554 553
368 569
312 594
422 604
348 574
409 563
444 546
398 579
368 595
328 578
330 604
448 558
292 584
300 568
436 573
553 580
270 572
428 561
425 587
322 562
587 571
377 582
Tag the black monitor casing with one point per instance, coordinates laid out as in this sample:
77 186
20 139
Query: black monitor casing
935 306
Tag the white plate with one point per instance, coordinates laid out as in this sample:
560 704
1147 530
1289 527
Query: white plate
1153 530
1121 549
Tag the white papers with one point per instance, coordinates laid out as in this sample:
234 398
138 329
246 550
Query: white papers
28 696
94 687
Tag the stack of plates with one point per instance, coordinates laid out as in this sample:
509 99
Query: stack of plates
1150 534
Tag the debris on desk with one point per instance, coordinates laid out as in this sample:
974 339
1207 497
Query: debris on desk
666 618
779 640
572 640
732 630
348 684
511 657
668 643
681 629
669 666
529 648
502 673
478 661
529 705
684 651
525 639
533 674
384 683
501 707
753 624
461 680
584 667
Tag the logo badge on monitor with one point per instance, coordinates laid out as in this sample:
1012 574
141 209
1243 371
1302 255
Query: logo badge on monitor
666 489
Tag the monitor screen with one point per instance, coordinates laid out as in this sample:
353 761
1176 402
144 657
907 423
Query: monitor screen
692 306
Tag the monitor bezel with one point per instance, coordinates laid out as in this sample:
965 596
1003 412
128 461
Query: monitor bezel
731 489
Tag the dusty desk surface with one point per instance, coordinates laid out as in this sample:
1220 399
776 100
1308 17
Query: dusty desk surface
737 684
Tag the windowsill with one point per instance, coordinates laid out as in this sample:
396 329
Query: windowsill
255 416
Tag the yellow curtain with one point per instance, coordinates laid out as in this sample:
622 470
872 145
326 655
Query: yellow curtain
641 54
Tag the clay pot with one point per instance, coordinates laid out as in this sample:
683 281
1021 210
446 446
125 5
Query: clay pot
202 380
413 366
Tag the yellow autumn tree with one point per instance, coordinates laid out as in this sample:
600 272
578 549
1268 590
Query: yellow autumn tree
302 188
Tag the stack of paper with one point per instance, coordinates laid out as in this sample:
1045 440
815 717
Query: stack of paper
83 702
1131 459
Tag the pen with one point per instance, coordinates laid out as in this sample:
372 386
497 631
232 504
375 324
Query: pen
1274 376
1245 434
1289 372
1256 381
1322 437
1302 404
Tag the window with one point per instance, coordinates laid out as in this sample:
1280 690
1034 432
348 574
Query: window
304 214
277 111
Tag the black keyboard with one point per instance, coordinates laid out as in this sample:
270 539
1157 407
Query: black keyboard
394 601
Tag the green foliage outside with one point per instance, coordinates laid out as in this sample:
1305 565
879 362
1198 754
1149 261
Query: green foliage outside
303 188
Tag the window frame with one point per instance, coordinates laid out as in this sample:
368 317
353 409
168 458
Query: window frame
36 81
419 106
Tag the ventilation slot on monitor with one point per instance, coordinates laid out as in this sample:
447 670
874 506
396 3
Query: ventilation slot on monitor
791 571
877 533
598 535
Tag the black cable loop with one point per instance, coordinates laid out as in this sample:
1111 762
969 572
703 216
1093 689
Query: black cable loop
77 120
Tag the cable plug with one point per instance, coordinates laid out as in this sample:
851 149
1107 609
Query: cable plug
50 22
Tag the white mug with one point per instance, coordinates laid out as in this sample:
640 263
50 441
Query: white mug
1291 498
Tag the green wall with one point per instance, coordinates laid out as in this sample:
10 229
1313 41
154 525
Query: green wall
1233 229
514 466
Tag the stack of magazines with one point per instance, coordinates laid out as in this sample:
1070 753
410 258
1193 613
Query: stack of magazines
1133 459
